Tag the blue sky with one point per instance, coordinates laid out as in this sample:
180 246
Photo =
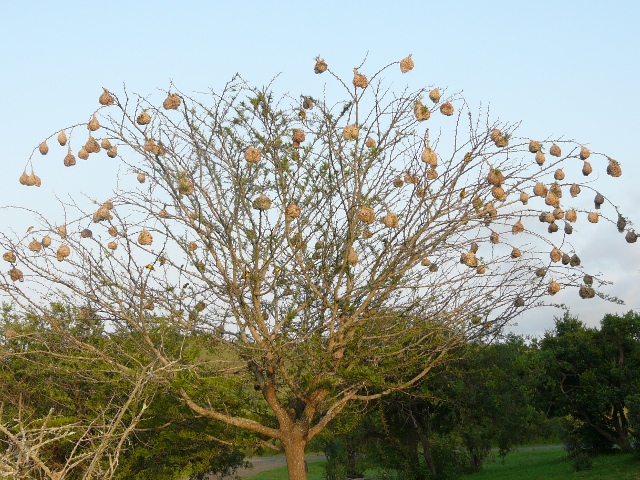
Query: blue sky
564 68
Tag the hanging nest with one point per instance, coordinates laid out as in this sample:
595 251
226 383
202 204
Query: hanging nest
321 66
432 174
421 112
33 180
469 259
524 198
421 192
558 213
113 231
101 214
554 287
298 135
151 146
631 237
434 95
367 234
112 245
556 255
481 269
410 178
105 143
145 238
559 174
429 157
86 233
366 215
584 153
63 252
141 177
552 228
540 158
547 217
172 102
163 213
502 141
16 275
69 159
495 134
62 138
499 193
144 118
185 186
352 257
307 103
614 168
359 80
494 238
556 189
370 142
552 200
425 262
540 190
474 247
390 220
566 259
540 272
447 109
517 228
575 260
24 178
35 245
398 182
598 200
588 279
593 217
292 211
148 305
193 246
350 132
406 64
106 98
574 190
62 231
518 302
555 151
93 124
108 205
9 257
516 253
568 229
586 292
495 177
571 215
92 146
112 152
433 268
252 155
587 169
621 223
46 241
83 154
534 146
262 202
43 148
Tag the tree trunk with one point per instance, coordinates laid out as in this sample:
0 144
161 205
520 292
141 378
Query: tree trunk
294 446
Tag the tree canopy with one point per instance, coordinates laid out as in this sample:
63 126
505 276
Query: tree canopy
323 244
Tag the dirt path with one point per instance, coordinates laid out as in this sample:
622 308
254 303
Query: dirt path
262 464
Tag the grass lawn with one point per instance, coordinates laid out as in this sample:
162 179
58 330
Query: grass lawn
539 464
554 465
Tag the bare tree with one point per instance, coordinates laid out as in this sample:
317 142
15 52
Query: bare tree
325 245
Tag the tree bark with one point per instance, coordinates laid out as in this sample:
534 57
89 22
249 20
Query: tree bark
294 443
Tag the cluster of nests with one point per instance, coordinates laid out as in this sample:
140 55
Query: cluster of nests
172 102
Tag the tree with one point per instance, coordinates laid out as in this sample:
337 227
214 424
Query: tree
325 244
593 376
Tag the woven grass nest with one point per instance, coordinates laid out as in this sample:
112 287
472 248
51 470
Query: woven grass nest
106 98
262 202
320 66
359 80
292 211
350 132
421 112
390 220
406 64
252 155
172 102
145 238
